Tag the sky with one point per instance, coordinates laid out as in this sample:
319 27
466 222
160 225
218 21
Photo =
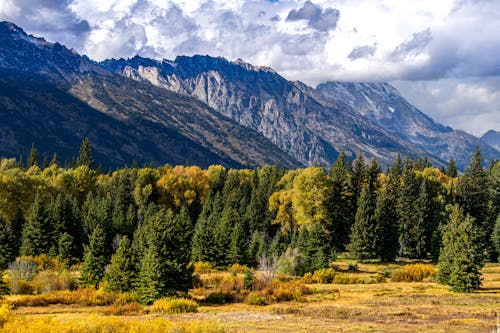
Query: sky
443 55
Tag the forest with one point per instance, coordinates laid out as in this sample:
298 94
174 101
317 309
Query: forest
144 229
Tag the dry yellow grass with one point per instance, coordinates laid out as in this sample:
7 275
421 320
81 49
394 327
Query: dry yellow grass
383 307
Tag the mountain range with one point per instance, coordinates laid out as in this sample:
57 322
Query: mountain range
204 110
492 138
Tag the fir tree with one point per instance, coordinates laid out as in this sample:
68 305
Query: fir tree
121 273
166 267
85 156
32 157
37 233
222 236
461 258
364 231
338 207
239 244
95 259
385 218
495 237
16 231
473 195
6 251
451 170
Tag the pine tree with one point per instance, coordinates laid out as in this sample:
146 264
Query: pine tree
95 259
239 244
85 156
451 170
32 157
6 251
203 238
222 236
16 231
166 267
364 233
409 219
122 272
495 237
385 218
37 233
461 258
473 195
338 207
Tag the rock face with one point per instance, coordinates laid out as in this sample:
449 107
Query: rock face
294 116
384 105
492 138
54 97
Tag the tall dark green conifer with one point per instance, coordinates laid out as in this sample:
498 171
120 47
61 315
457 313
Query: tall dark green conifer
338 207
461 257
85 156
37 233
122 271
95 259
364 231
32 157
6 251
473 195
385 218
451 170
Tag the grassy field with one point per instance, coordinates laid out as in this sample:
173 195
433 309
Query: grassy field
378 307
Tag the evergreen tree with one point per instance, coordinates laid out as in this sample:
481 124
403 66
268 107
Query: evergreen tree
95 259
473 195
315 246
461 256
239 244
203 238
364 231
338 207
222 236
166 267
32 157
122 272
451 170
16 231
66 248
37 233
85 156
495 237
357 179
256 248
397 167
6 251
411 231
385 218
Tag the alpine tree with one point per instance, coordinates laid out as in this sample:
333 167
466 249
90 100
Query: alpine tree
385 218
122 272
461 257
338 209
364 231
32 157
37 233
85 156
451 169
473 195
6 251
95 259
166 267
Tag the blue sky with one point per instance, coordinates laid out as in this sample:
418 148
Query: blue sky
442 55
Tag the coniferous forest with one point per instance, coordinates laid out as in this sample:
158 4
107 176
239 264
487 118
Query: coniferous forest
140 229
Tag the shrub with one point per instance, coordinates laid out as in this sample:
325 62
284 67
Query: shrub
255 298
219 297
174 305
201 267
284 292
119 309
414 273
324 275
5 313
81 297
20 273
237 268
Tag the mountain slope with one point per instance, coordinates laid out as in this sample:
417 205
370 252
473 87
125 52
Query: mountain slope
492 138
292 115
68 97
384 105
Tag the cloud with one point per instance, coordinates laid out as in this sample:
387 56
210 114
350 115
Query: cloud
364 51
312 41
412 47
49 18
322 20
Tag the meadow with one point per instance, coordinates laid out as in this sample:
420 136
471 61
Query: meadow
351 298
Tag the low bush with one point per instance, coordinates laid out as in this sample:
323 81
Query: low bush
325 275
255 298
81 297
414 273
284 292
120 309
201 267
94 323
237 268
174 305
5 313
354 279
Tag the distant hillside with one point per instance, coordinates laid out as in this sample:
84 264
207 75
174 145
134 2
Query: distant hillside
492 138
54 97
